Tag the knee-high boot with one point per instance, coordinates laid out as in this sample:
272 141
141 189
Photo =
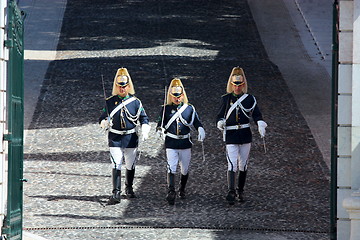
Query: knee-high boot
116 180
129 179
241 184
171 195
183 181
231 187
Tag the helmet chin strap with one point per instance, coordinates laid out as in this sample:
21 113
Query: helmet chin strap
177 102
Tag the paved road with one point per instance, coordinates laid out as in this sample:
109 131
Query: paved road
300 46
198 41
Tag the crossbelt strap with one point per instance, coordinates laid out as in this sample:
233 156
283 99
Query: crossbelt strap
178 136
176 115
122 132
237 127
238 102
121 105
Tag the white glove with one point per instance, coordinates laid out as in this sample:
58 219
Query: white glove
201 135
160 132
106 123
221 124
145 129
261 127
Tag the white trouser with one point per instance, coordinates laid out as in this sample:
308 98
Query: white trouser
237 156
174 156
117 155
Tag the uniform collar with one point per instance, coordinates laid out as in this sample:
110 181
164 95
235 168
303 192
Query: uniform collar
178 106
124 98
237 96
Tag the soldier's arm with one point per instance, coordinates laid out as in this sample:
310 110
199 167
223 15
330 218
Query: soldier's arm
222 110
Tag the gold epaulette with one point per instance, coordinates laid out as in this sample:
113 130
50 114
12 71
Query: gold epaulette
134 96
225 94
110 97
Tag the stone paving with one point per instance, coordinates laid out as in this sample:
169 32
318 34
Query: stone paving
66 155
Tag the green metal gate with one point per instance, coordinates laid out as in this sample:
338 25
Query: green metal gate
15 120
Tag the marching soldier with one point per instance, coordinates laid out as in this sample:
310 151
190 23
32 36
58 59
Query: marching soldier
121 117
237 107
175 120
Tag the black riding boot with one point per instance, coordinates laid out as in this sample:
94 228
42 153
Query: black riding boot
183 181
241 184
231 185
116 179
129 179
170 197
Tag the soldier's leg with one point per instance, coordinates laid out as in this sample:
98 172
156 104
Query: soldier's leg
171 195
172 161
243 164
185 157
130 162
230 197
241 184
232 151
116 157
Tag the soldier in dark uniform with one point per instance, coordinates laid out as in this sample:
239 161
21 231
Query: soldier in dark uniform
237 107
175 120
122 116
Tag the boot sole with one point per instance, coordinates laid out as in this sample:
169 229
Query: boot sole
130 195
171 198
182 195
231 199
113 201
170 201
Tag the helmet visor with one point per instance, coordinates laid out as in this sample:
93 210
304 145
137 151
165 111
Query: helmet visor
122 81
237 80
176 91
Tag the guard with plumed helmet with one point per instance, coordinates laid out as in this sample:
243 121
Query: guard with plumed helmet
233 119
122 116
176 118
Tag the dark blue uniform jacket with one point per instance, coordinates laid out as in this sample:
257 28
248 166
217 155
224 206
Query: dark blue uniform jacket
240 136
128 140
177 127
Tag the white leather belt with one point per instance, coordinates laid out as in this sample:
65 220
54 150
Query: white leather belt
237 127
123 132
177 136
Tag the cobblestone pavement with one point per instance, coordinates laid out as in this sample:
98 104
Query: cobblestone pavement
66 157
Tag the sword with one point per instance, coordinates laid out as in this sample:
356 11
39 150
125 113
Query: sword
224 133
264 144
203 150
163 114
103 85
107 110
139 155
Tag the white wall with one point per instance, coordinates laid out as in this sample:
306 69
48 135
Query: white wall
348 111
